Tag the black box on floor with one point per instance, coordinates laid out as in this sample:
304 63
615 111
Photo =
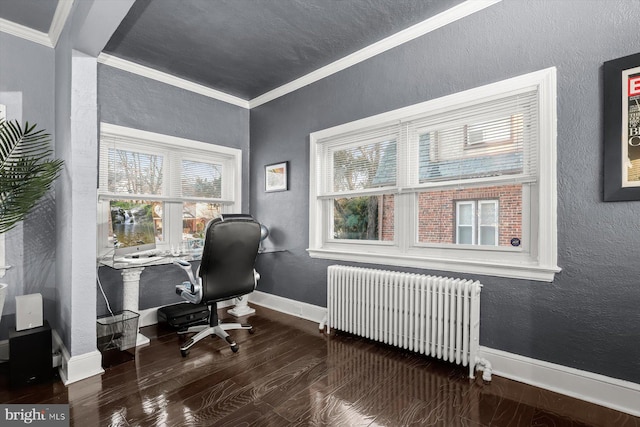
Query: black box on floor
183 315
30 359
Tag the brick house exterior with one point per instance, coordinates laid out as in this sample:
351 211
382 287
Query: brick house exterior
436 210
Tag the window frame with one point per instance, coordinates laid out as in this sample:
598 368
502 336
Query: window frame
457 217
174 150
536 259
476 215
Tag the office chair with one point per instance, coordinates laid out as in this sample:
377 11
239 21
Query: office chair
226 271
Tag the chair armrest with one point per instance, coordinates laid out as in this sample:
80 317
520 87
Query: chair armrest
256 277
192 290
189 292
186 266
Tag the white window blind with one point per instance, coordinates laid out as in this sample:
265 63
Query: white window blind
201 180
362 163
134 169
487 142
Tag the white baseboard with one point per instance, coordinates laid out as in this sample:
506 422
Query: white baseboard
148 317
78 368
595 388
288 306
610 392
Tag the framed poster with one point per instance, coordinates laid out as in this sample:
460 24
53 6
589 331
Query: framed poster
276 177
622 129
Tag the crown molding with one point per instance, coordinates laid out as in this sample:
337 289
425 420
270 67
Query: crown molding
451 15
447 17
169 79
25 33
63 10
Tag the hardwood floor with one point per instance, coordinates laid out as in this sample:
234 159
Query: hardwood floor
289 374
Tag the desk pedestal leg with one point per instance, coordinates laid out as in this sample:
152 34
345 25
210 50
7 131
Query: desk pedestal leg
242 307
131 294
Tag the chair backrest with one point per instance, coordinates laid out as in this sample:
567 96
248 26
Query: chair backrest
230 250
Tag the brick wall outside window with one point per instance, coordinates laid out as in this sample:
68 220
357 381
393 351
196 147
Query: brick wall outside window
436 210
388 218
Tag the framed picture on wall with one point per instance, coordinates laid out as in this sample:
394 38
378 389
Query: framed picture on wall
622 129
276 177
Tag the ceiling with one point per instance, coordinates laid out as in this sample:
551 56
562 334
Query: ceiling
243 48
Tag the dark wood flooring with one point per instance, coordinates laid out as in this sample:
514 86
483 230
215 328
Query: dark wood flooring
289 374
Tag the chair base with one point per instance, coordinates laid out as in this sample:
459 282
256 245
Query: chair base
203 331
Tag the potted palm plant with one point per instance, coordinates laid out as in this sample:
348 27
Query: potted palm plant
26 174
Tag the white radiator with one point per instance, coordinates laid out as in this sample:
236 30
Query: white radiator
435 316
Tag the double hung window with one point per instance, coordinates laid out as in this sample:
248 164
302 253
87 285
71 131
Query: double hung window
461 183
185 183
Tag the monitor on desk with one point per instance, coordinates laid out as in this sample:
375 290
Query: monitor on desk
133 227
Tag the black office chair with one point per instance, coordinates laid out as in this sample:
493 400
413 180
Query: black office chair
226 271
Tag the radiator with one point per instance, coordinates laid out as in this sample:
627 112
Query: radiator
434 316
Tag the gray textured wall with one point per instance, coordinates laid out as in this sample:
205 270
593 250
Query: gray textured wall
588 317
31 254
130 100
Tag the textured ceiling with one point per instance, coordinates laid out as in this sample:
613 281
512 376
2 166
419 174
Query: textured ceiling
36 14
243 47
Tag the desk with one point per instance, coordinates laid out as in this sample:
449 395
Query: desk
131 281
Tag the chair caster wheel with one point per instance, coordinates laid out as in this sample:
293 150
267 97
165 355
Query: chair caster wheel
235 348
184 353
252 331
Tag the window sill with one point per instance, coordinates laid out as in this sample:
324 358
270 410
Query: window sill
487 268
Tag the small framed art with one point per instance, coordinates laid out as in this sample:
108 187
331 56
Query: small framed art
276 177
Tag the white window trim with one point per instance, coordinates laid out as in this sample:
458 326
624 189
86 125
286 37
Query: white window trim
473 222
496 226
231 194
539 264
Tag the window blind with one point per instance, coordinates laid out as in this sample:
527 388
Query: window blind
360 162
200 180
491 141
139 170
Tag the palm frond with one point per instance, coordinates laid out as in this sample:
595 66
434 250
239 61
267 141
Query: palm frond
26 170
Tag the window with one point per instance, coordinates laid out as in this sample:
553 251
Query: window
477 222
461 183
186 183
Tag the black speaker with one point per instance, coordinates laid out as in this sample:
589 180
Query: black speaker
30 359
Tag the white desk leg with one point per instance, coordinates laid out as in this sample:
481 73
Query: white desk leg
131 294
242 307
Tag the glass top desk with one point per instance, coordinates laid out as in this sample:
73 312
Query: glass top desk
131 269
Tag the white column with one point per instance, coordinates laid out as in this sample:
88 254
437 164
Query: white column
242 307
131 295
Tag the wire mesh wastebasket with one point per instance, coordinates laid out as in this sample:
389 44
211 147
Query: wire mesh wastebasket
117 332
